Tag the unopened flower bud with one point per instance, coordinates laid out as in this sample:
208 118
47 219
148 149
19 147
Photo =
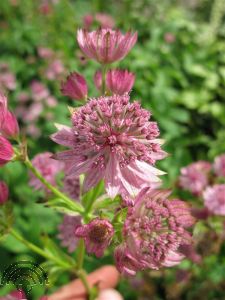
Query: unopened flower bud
75 87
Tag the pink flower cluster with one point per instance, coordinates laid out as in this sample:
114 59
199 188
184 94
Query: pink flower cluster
114 139
202 179
154 230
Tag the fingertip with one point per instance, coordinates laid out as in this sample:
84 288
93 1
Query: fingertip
109 294
106 277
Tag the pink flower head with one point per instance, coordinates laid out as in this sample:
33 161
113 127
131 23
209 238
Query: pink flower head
48 168
153 232
219 165
55 69
4 192
169 37
72 187
45 52
194 177
6 151
106 45
105 20
3 108
88 21
117 81
214 199
39 90
10 127
114 140
66 232
97 235
8 80
75 86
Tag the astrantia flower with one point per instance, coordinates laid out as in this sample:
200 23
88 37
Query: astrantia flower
97 235
194 177
114 140
6 151
75 86
214 199
117 81
105 20
4 192
219 165
67 232
106 45
48 168
153 232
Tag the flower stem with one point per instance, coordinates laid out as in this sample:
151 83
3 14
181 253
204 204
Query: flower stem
38 250
104 69
80 254
50 187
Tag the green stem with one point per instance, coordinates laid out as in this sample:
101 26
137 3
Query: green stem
81 253
83 277
50 187
104 69
37 249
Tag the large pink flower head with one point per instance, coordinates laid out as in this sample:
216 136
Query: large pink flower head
6 151
194 177
154 230
214 199
106 45
114 140
48 167
67 232
97 235
4 192
219 165
117 81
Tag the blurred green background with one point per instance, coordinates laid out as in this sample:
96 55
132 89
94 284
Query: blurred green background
179 63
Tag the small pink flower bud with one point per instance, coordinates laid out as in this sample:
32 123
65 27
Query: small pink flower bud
6 151
117 81
4 192
75 86
3 108
88 21
97 235
10 127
